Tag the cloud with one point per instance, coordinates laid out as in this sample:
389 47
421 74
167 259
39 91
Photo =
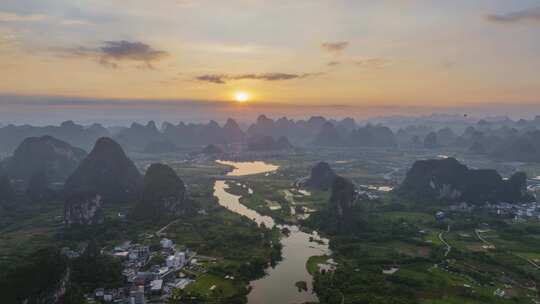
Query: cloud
224 78
74 22
272 76
12 17
137 51
449 64
373 63
333 63
221 79
110 53
526 15
335 46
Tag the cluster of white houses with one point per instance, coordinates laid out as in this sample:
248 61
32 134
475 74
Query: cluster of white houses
144 277
518 211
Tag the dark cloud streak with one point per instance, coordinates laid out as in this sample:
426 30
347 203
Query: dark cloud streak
335 47
219 79
526 15
110 53
224 78
374 63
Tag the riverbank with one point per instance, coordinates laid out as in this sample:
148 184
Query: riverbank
279 284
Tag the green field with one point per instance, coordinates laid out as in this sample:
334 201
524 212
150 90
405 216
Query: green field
224 288
313 262
396 233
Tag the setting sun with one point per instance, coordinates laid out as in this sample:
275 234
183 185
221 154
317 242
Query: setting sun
241 96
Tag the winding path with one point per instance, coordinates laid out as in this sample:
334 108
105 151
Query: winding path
481 238
160 231
448 247
530 261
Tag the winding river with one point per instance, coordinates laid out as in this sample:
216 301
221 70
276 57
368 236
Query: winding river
278 286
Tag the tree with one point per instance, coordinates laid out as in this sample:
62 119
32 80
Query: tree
93 270
25 282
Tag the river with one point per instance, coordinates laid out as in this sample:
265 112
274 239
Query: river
278 286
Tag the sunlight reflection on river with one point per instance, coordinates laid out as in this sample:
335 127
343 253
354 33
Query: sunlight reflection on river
278 286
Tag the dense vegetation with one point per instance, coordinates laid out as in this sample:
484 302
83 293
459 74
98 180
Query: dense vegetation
410 241
163 195
36 279
367 235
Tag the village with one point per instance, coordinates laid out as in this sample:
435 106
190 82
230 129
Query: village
518 212
150 275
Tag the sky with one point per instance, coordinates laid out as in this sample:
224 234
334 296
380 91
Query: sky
337 56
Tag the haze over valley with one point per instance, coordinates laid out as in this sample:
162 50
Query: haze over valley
262 152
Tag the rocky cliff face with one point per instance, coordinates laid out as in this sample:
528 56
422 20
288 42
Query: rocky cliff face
321 177
60 292
163 195
105 176
342 203
55 158
83 208
449 180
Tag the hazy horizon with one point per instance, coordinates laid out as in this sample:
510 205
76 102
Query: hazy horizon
30 109
123 179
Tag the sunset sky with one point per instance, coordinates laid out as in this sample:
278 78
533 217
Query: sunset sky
380 53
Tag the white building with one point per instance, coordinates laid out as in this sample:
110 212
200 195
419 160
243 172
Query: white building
166 243
156 286
172 261
100 292
136 296
177 260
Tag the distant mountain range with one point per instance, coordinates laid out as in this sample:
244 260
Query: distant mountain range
503 139
84 137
